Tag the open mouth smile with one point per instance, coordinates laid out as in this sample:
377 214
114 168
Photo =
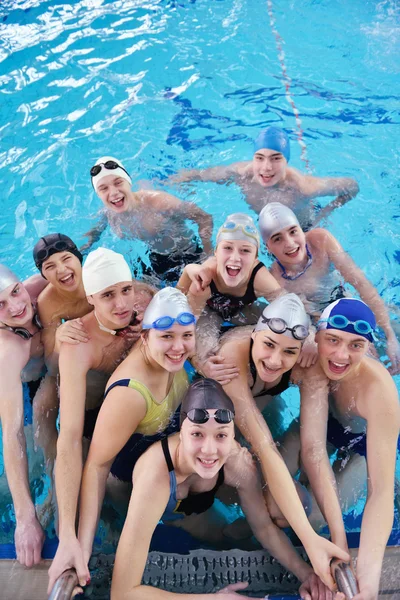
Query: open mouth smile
338 368
207 464
233 270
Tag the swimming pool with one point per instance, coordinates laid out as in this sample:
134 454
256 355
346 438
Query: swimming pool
166 85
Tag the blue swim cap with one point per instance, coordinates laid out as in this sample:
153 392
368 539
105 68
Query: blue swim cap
351 315
273 138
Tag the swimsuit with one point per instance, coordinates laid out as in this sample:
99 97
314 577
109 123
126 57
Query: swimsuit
344 439
193 503
169 266
280 387
228 306
160 420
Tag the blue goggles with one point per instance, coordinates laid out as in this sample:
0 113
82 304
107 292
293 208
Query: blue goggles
341 322
184 318
232 226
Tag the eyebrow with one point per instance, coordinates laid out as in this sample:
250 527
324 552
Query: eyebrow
270 156
287 347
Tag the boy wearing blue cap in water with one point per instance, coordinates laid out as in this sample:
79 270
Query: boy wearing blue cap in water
268 178
350 400
155 217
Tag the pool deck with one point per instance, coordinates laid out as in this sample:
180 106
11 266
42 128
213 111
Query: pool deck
17 583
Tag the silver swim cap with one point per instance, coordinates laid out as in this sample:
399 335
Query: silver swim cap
7 278
167 306
273 218
285 315
239 227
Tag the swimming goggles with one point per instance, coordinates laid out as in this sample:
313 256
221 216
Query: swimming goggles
249 230
294 277
59 246
22 332
223 416
184 318
111 165
341 322
277 325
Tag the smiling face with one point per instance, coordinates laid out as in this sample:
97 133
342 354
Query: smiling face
170 348
206 447
64 271
114 305
274 354
340 352
115 193
15 306
288 245
235 259
269 167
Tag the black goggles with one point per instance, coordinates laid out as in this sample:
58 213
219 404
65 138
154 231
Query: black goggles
223 416
22 332
277 325
59 246
111 165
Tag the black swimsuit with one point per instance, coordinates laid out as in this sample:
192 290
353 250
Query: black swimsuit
228 306
193 503
280 387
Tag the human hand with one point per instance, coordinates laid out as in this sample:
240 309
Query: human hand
200 276
367 593
69 555
72 332
393 352
215 368
313 588
29 539
320 552
230 590
309 352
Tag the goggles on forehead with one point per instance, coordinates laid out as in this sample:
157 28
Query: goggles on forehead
223 416
184 318
111 165
59 246
231 226
341 322
277 325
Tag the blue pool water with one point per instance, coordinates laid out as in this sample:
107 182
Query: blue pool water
169 84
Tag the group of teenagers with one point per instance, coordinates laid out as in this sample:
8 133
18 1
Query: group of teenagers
106 353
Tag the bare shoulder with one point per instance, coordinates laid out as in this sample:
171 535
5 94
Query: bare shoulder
48 304
158 199
34 285
236 343
243 169
376 381
14 352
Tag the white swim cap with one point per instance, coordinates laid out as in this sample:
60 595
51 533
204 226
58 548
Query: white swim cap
168 305
7 278
103 268
273 218
290 311
108 165
239 226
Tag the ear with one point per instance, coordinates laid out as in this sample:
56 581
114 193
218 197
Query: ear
253 335
90 300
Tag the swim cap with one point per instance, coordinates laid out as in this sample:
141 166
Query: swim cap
351 315
275 217
289 309
51 244
239 227
168 303
206 394
7 278
114 167
273 138
103 268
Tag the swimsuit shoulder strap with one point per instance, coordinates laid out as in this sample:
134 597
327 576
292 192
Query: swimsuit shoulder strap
258 266
213 287
134 385
167 455
253 369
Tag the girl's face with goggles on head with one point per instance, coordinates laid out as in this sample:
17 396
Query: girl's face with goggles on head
274 354
235 260
15 306
170 347
207 445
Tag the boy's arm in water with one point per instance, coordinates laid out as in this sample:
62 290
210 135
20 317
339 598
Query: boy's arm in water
219 174
344 188
383 417
255 429
94 234
151 477
245 478
355 277
75 362
314 409
29 535
118 419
